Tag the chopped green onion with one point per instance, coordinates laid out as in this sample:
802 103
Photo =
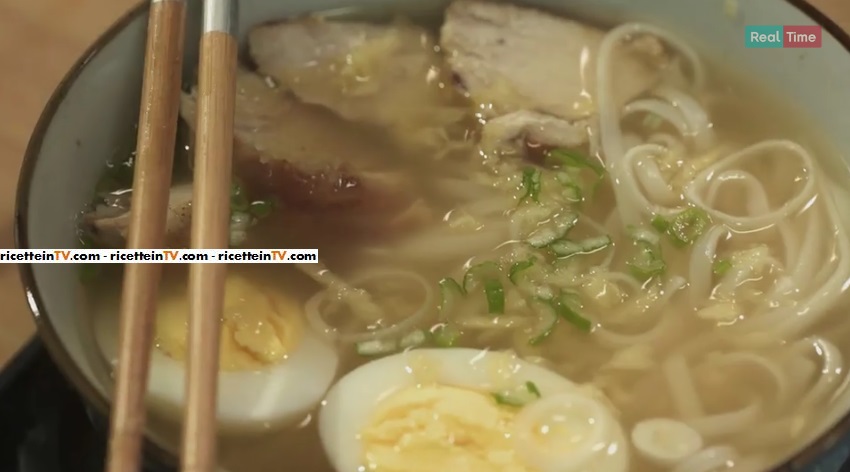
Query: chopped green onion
548 324
450 291
487 274
507 400
414 339
555 229
445 335
660 224
531 183
638 233
564 310
532 389
722 266
566 248
572 191
495 296
688 226
517 268
568 158
262 208
648 262
518 397
479 273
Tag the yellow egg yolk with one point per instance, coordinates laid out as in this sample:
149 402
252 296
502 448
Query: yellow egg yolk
258 328
440 428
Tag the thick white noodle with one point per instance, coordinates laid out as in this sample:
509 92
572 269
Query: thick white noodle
831 371
650 177
666 111
808 262
627 183
609 116
718 174
313 308
722 424
682 389
610 133
700 129
613 340
793 320
664 325
700 270
781 391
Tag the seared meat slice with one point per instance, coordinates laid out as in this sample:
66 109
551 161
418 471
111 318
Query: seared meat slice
109 226
512 58
315 163
387 75
306 156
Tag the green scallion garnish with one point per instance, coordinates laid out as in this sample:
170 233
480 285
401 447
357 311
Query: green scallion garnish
531 183
564 308
569 158
647 263
445 335
721 266
495 293
450 291
517 268
688 226
660 224
532 389
261 208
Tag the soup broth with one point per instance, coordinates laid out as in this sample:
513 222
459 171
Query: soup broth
669 241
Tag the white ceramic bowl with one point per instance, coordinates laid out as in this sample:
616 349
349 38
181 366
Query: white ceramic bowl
93 111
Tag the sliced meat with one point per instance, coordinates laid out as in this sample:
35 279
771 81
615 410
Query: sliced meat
502 133
512 58
109 226
306 156
388 75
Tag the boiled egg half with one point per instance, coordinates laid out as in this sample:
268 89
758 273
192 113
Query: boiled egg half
273 370
468 410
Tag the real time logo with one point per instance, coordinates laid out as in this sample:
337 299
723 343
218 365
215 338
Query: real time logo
777 36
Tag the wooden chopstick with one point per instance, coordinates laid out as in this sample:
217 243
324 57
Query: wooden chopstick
210 230
148 211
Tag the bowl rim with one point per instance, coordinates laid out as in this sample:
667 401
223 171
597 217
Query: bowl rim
69 368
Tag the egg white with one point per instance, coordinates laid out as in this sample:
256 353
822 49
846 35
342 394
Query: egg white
276 396
352 401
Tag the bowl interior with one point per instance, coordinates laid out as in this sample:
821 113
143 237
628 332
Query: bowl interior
90 120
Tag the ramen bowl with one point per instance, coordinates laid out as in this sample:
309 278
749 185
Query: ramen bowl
93 113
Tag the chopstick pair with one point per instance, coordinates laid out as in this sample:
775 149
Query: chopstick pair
157 129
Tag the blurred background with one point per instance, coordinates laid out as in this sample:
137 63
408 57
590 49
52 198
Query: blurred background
39 41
